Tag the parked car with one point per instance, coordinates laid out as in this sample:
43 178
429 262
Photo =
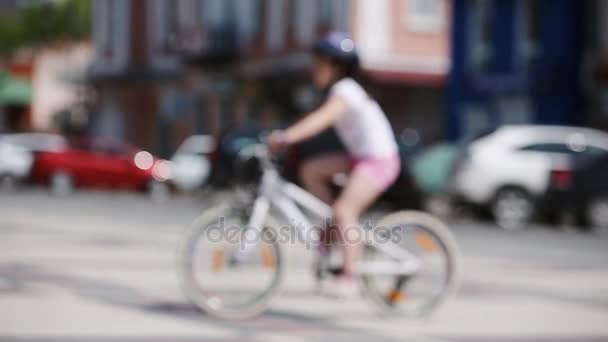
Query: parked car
15 164
432 167
582 190
404 193
224 157
226 168
508 170
190 164
101 163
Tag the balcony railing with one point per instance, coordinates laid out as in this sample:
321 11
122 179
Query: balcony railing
218 42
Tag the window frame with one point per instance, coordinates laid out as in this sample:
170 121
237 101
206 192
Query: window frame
418 22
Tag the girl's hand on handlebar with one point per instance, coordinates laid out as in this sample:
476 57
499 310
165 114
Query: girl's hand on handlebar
277 141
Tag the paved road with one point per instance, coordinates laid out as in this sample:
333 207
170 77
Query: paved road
100 267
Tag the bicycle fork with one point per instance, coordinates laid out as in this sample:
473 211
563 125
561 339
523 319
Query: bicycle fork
254 229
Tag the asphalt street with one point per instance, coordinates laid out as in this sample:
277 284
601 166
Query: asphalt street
101 267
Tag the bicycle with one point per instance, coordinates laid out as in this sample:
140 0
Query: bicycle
235 273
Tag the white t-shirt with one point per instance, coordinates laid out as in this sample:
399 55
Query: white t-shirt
363 128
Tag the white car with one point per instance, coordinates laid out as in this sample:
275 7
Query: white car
509 169
17 153
15 163
190 166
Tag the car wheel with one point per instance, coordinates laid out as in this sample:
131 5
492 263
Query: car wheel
61 184
512 209
597 214
158 191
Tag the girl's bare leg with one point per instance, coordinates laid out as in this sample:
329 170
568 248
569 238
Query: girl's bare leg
316 174
359 194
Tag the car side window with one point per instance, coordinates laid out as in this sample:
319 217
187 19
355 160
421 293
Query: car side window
587 150
548 148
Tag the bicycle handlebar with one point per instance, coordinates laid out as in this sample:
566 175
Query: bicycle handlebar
259 151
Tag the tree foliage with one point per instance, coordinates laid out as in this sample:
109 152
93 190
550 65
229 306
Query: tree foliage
43 23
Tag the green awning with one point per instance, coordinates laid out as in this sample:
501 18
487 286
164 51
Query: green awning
14 91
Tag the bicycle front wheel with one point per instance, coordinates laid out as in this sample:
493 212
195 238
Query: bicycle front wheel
215 279
428 241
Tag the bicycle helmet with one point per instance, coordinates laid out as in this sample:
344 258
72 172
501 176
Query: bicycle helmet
340 48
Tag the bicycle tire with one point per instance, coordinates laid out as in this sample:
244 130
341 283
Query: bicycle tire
192 288
444 237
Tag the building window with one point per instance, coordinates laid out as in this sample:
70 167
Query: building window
342 14
170 23
163 33
111 35
247 18
529 26
230 8
515 109
213 12
216 13
475 119
481 34
108 29
425 16
257 13
325 12
276 24
305 20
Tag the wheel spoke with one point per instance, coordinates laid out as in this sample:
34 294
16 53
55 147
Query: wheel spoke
219 286
436 275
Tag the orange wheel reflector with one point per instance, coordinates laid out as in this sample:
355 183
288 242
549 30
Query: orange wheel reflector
217 261
396 295
267 256
426 242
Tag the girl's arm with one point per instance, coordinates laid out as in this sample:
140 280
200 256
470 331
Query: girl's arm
316 122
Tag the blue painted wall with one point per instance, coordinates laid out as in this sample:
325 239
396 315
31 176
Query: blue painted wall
549 82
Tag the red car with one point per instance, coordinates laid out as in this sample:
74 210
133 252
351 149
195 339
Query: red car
100 163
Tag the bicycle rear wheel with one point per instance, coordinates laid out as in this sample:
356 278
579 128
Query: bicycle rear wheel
218 282
431 242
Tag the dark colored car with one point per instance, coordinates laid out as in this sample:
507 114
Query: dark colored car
582 190
100 163
403 194
224 158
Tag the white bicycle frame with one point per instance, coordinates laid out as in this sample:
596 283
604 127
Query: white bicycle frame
285 197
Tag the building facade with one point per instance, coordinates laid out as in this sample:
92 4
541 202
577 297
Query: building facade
516 62
595 64
404 47
166 69
147 92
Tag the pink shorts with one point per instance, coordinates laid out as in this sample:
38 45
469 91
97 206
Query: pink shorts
383 172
